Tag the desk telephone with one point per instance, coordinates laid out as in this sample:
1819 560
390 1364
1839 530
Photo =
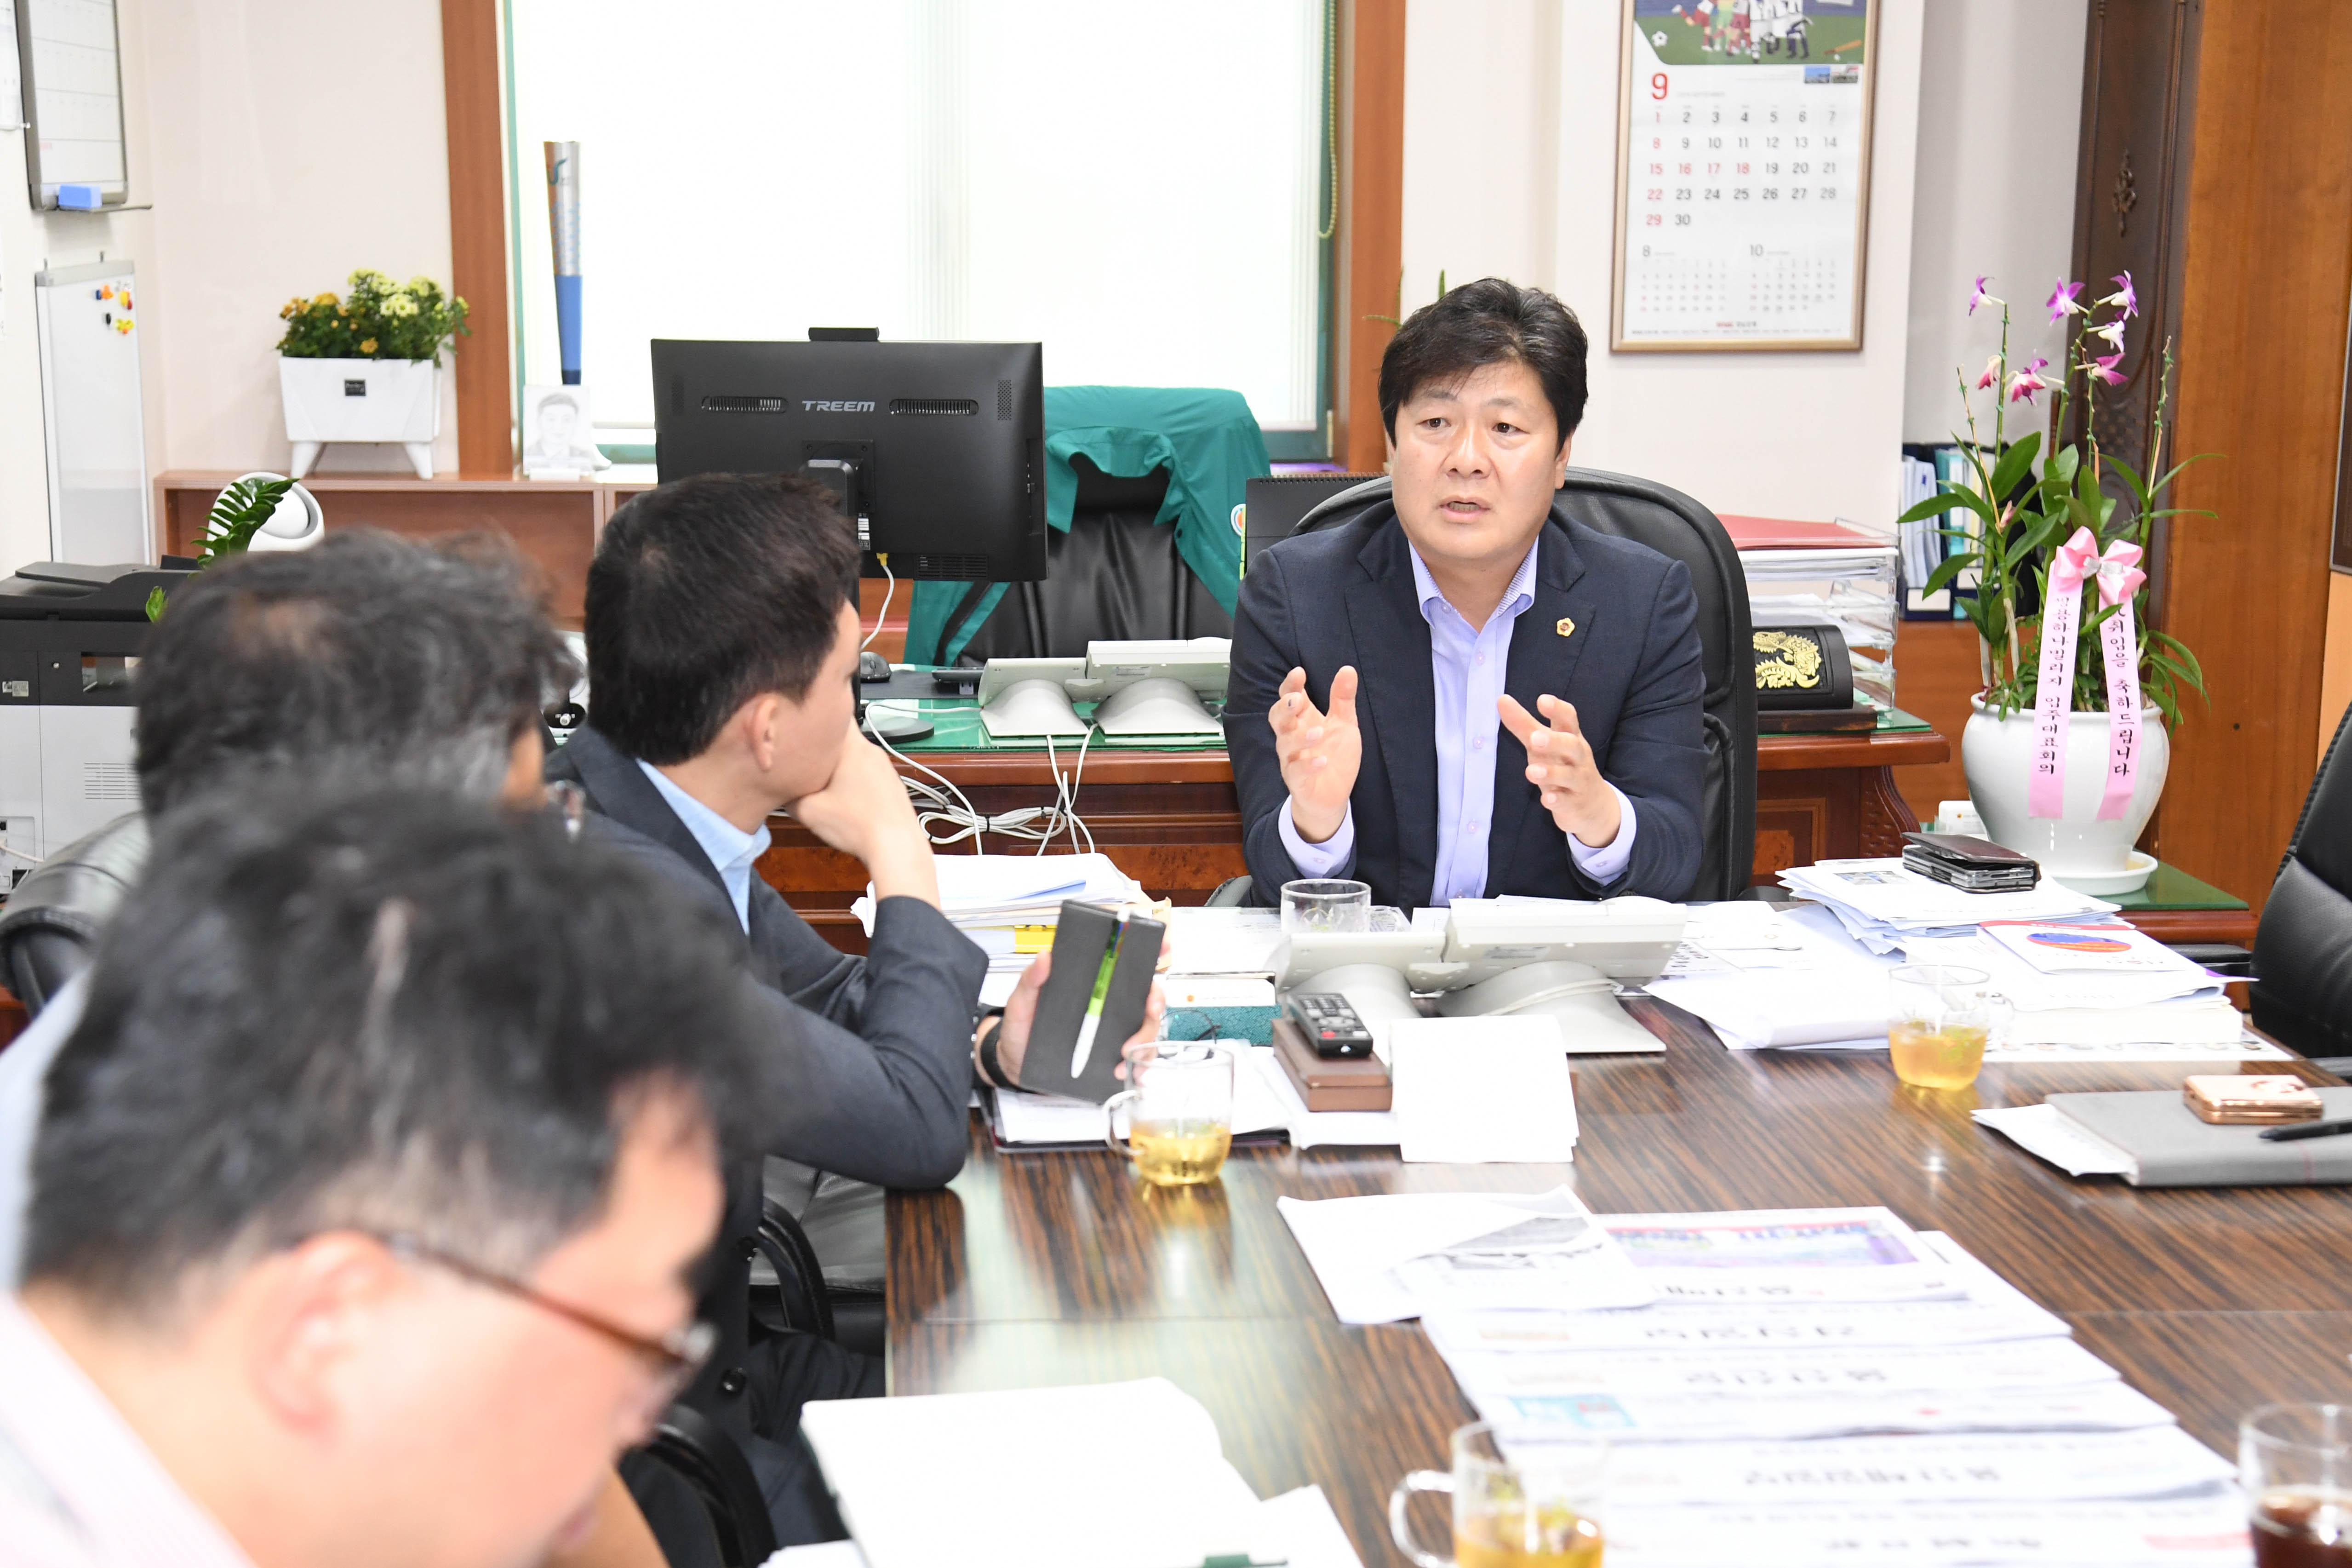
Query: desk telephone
1493 957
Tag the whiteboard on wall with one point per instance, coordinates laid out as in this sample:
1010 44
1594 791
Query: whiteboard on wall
72 94
92 428
12 91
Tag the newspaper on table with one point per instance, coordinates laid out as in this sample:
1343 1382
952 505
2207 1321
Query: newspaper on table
1771 1257
2204 1531
1384 1259
1883 903
1265 1101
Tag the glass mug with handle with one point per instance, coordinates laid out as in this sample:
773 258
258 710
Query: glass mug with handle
1540 1509
1180 1114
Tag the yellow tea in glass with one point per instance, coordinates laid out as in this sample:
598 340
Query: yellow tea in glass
1180 1153
1179 1115
1938 1018
1540 1508
2294 1466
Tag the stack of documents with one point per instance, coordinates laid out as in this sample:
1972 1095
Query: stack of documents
1817 1385
1008 904
1886 905
916 1487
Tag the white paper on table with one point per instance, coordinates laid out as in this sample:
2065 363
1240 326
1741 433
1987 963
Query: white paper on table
2245 1049
1744 1327
2105 947
1320 1129
1467 1090
2032 990
1784 1255
1302 1525
1755 1010
1203 941
2207 1532
2042 1363
1984 1283
2004 1468
2043 1132
904 1475
1356 1246
2110 1406
1025 1119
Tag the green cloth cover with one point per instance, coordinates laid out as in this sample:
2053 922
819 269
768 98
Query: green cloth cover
1204 436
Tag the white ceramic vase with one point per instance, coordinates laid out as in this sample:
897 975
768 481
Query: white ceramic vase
361 400
1997 755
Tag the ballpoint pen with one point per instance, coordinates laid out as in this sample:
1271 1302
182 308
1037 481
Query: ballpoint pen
2305 1130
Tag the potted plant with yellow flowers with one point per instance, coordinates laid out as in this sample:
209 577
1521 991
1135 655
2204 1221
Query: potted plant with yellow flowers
367 367
2066 749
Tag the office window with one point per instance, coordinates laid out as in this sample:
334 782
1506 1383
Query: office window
1144 189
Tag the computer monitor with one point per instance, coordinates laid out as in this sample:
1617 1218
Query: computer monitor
938 449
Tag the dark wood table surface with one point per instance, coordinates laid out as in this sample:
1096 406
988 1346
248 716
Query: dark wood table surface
1037 1270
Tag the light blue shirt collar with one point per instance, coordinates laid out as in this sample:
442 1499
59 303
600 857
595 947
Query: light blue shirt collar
732 851
1515 601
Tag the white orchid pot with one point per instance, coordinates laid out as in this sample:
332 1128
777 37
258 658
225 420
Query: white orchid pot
1997 755
361 400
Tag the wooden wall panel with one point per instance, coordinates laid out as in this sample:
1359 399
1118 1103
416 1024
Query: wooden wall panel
477 236
2262 324
1935 672
1375 219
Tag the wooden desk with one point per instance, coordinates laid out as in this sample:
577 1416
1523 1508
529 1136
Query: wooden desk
1172 821
1048 1269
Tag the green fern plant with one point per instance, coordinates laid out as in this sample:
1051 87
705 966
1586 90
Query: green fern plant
238 514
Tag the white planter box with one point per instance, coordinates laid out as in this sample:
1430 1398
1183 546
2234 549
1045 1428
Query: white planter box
361 400
1997 755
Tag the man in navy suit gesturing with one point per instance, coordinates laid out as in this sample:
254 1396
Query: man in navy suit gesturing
1466 692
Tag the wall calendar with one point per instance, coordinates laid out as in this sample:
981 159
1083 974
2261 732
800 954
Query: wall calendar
1743 174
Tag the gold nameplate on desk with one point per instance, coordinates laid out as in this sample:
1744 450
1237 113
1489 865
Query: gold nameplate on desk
1564 626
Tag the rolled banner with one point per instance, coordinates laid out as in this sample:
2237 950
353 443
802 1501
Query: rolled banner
2118 570
563 236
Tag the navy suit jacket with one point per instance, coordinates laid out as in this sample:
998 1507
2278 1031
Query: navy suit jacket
1631 666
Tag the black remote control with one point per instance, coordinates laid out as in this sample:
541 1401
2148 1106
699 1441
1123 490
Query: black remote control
1330 1024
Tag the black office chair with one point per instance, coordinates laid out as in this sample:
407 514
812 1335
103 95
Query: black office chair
697 1451
1673 524
1115 576
49 927
2303 949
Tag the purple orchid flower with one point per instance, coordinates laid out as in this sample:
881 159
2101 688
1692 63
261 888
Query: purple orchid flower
1980 297
2103 369
2112 332
2125 298
2065 300
1992 375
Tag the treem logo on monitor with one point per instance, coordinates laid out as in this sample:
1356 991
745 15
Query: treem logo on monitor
836 406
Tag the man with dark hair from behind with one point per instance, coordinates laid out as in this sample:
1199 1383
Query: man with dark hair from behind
1466 609
367 1194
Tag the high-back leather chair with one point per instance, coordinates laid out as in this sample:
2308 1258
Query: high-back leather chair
1115 576
2303 949
1674 525
50 925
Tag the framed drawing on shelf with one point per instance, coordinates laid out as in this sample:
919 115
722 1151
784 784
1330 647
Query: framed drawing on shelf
1743 175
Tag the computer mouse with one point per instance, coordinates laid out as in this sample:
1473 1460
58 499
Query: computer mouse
872 666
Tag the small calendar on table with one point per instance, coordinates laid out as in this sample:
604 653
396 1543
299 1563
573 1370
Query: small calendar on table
1743 174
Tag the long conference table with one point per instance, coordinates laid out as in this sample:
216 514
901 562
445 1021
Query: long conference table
1045 1269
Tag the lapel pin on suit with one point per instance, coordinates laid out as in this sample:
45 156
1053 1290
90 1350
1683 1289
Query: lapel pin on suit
1565 627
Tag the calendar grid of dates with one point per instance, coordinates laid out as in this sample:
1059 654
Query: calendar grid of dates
1742 203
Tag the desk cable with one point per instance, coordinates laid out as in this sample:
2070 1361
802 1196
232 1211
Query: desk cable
945 803
889 589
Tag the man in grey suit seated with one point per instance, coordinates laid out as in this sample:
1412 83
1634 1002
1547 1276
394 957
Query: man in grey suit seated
1461 692
723 651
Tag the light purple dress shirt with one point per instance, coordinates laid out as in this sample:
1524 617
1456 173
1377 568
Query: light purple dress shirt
1466 668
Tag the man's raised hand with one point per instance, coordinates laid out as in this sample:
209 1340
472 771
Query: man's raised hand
1562 767
1320 752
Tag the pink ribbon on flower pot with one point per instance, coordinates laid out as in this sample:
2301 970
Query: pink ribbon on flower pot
2119 577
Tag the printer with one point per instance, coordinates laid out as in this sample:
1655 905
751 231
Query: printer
70 637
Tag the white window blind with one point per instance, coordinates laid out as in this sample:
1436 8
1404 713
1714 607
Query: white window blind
1139 187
